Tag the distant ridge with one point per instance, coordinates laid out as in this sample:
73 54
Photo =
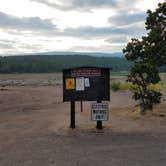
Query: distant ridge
96 54
53 63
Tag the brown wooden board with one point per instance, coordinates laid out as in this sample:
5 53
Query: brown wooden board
86 84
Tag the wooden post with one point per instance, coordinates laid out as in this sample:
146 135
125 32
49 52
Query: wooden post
99 122
81 105
72 114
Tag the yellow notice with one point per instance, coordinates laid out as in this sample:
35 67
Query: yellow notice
70 84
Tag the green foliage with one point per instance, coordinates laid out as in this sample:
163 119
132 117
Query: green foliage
148 55
115 86
126 86
48 64
156 40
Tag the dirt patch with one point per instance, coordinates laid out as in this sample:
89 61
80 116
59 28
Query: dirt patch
34 131
36 103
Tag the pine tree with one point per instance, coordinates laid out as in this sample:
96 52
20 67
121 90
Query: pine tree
148 55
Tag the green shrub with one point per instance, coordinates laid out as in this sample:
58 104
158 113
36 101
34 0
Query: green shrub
115 86
126 86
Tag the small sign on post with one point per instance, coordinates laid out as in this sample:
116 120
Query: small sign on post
99 111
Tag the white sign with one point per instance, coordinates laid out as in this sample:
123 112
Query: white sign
80 84
87 82
99 111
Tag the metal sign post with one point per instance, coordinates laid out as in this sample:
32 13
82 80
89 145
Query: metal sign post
99 122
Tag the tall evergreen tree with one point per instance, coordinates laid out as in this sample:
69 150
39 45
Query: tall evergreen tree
148 54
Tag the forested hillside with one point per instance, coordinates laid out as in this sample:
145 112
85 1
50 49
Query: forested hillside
46 63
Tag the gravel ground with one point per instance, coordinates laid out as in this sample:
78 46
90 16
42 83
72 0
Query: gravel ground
116 149
34 131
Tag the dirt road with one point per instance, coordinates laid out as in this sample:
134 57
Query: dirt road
34 131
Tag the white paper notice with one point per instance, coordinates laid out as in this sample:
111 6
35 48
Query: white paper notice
87 83
80 84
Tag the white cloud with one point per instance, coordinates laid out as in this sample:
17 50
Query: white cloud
78 4
76 25
117 39
125 18
25 23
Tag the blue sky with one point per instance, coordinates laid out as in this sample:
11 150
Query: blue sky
31 26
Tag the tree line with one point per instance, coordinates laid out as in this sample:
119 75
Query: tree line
55 63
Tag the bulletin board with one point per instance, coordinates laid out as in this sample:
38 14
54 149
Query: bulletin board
86 84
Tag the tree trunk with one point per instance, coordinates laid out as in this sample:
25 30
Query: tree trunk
143 109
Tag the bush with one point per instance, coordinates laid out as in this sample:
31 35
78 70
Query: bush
115 86
126 86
